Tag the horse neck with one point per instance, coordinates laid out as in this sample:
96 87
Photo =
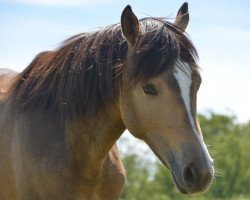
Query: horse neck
90 140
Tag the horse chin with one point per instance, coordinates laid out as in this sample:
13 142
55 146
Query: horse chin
179 187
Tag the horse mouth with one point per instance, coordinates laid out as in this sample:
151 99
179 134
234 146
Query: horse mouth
179 187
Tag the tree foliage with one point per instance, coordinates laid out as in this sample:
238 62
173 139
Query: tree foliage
229 144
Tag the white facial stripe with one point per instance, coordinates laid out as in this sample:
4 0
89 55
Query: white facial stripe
183 75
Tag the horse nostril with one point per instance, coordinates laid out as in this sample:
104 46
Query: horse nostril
197 178
189 175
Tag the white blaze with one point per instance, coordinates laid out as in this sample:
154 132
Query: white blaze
183 75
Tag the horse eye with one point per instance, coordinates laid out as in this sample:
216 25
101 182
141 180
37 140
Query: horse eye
150 89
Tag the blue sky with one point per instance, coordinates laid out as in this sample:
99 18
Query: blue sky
219 29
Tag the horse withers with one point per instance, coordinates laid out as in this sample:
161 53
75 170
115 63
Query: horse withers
61 117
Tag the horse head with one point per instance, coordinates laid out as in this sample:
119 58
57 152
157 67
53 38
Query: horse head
159 107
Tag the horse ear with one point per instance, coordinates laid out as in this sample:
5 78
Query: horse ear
182 17
130 26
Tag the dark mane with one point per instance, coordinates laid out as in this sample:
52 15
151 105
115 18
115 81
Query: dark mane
84 73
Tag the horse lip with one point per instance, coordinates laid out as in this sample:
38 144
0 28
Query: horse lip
179 187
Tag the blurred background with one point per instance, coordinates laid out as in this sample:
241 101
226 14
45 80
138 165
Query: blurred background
221 32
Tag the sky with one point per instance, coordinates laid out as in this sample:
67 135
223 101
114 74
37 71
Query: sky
220 31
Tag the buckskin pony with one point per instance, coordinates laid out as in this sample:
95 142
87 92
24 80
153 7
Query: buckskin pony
61 117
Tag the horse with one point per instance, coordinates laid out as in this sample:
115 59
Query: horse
60 117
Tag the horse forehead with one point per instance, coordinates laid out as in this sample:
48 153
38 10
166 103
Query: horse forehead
183 72
187 76
183 76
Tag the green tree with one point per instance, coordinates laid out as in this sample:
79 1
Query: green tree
137 179
229 142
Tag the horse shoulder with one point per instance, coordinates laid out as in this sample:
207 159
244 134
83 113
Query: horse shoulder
113 176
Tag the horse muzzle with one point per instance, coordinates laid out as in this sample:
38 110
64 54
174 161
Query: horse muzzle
194 178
